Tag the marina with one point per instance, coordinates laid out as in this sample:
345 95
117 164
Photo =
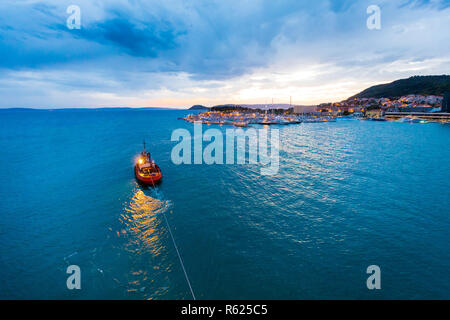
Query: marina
244 119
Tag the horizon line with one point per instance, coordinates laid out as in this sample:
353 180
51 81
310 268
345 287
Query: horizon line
89 108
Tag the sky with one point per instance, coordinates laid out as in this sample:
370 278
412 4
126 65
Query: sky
132 53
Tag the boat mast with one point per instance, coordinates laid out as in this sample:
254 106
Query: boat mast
144 144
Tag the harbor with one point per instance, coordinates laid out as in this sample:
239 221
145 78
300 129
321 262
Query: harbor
414 108
244 119
238 118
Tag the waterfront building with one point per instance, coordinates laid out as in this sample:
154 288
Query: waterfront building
305 109
374 113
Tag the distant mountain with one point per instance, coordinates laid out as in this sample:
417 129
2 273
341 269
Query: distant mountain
198 107
424 85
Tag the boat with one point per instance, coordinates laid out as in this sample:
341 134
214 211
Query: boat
147 172
311 120
294 121
412 119
378 119
240 124
281 121
266 121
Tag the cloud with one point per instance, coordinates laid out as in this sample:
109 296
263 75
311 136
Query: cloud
143 53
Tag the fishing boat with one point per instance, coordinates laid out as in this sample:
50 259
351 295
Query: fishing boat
147 172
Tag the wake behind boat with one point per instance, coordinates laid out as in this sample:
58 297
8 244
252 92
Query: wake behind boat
147 172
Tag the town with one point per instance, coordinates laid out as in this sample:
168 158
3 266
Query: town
409 108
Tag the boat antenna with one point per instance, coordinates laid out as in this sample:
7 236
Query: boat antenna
144 144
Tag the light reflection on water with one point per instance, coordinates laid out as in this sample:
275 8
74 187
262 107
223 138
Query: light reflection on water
145 235
142 224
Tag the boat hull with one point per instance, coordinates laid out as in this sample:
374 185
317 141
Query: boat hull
149 181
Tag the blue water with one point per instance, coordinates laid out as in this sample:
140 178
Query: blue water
348 194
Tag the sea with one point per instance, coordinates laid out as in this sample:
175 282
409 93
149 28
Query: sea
348 195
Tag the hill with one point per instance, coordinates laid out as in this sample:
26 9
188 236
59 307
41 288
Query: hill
423 85
198 107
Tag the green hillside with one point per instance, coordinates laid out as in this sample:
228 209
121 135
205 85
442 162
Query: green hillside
424 85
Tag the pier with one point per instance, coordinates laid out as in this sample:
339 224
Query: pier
443 116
